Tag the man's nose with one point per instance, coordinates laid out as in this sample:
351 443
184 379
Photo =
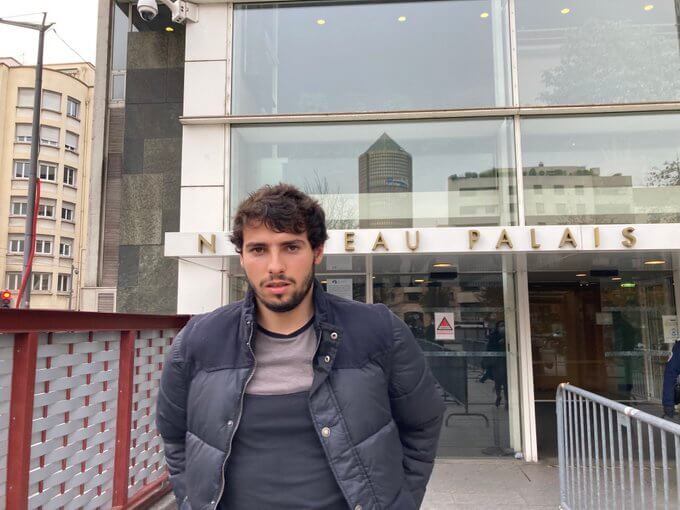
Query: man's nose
276 265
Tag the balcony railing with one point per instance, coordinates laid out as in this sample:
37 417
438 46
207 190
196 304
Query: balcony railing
77 408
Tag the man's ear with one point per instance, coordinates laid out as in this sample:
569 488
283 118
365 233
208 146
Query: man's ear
318 255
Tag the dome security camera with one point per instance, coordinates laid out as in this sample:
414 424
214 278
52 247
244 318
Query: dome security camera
148 9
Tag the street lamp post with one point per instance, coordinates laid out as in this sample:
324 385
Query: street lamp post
29 236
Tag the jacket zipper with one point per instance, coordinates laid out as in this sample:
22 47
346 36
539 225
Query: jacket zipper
240 412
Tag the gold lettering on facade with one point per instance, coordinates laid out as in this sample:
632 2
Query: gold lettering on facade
630 239
203 242
349 241
534 244
504 239
380 243
568 238
473 237
596 233
412 247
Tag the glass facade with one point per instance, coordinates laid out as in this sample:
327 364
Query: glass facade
295 58
414 115
386 174
603 52
600 169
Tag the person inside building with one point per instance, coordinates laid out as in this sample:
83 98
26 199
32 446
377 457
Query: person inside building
670 378
294 398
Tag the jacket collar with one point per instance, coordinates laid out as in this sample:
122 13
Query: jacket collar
322 319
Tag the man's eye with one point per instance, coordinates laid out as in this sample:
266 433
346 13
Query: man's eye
293 248
257 250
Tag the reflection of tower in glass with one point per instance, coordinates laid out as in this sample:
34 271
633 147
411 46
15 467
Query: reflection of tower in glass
385 186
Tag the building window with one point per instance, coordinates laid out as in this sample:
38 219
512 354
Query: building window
46 210
43 246
69 175
559 189
42 282
65 247
538 189
23 133
597 53
68 212
73 108
297 58
13 281
22 169
63 282
364 174
16 245
18 207
51 101
628 163
49 136
47 172
540 208
25 98
71 143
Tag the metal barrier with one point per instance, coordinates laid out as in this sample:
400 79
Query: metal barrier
77 409
614 456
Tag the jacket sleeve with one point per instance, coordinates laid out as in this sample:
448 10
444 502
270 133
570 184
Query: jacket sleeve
670 375
171 414
417 408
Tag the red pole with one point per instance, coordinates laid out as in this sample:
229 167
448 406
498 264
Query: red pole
21 420
121 463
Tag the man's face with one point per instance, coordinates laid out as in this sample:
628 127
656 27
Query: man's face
279 266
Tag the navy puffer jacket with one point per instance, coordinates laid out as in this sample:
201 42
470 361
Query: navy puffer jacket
376 405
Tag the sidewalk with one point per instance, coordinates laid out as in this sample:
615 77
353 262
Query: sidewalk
481 484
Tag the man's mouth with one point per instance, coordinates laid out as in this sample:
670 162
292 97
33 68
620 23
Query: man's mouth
277 287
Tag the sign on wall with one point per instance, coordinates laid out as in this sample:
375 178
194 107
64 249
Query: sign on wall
341 287
544 238
444 326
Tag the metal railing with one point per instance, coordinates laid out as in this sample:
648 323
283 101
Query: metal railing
77 409
614 456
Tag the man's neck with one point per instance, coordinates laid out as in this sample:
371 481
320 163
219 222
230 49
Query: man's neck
285 323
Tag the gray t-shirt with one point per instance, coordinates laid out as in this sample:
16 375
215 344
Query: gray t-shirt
284 362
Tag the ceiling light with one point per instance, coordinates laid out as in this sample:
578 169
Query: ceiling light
616 279
628 285
484 15
581 275
441 264
648 7
401 19
169 29
566 10
418 280
654 262
321 21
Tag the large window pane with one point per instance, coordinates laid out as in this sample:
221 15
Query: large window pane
598 52
294 57
602 169
386 174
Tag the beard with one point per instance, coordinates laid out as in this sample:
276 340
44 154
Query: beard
280 304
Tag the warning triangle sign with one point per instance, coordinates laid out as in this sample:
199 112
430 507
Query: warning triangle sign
444 325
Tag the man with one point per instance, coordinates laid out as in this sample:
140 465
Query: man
670 377
294 398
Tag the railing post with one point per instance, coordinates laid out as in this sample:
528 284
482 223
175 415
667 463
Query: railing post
559 407
121 465
21 420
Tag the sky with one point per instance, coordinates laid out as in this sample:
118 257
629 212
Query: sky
75 22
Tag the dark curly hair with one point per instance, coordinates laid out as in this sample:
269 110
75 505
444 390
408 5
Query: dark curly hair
281 208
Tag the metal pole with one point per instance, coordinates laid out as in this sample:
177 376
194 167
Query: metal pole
29 236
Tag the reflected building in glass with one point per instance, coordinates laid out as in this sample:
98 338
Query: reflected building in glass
385 186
